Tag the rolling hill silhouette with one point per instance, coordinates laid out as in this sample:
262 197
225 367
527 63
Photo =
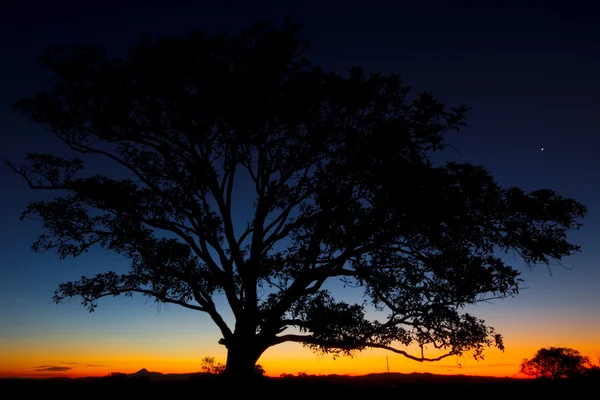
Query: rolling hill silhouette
374 378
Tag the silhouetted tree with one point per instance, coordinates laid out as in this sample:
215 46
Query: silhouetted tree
556 363
259 371
337 173
210 367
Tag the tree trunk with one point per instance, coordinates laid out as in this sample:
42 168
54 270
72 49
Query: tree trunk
244 347
242 355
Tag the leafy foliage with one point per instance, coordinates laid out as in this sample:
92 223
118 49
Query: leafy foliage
338 174
556 363
210 367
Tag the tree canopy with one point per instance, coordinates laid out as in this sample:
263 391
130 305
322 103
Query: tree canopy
556 363
336 169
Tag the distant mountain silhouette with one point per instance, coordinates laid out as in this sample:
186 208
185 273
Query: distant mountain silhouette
145 372
158 376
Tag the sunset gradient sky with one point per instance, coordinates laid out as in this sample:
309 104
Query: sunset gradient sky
529 72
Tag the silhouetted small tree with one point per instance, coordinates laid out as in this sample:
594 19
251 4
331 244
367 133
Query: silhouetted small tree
259 371
334 173
210 367
556 363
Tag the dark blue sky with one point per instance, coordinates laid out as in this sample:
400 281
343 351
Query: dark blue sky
529 69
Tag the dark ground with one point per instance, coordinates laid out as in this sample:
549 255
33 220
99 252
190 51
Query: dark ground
368 387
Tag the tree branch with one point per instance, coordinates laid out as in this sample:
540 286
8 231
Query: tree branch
203 251
146 292
308 339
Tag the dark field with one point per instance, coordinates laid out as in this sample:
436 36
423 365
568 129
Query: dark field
367 387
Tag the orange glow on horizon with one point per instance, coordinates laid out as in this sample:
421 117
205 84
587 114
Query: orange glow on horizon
283 359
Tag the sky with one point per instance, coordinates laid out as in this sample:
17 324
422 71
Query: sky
528 69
